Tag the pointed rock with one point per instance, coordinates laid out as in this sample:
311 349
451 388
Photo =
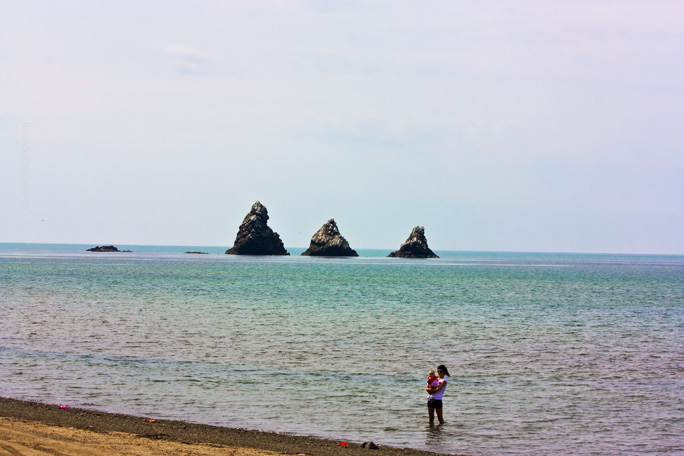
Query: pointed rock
329 242
255 237
415 246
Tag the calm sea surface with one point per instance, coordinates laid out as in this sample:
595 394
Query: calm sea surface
548 353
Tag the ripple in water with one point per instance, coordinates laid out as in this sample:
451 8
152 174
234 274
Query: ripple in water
548 354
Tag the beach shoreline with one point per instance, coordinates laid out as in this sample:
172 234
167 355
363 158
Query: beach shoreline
25 423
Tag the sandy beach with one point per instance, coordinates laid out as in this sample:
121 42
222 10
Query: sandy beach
30 428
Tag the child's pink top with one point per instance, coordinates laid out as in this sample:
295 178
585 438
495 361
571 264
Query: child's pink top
433 381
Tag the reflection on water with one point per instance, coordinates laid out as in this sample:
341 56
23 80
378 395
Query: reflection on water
434 436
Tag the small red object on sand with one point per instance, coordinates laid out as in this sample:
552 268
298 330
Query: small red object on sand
343 444
150 420
64 407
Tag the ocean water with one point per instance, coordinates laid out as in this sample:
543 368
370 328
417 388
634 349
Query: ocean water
548 353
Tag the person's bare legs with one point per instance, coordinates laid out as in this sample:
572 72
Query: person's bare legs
431 415
439 416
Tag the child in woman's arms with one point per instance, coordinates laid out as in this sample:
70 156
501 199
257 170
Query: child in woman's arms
432 380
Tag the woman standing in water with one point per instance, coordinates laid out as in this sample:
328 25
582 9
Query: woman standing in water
434 402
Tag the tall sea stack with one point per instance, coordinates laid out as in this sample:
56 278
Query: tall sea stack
415 246
329 242
255 237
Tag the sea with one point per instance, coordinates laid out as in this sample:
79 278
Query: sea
548 354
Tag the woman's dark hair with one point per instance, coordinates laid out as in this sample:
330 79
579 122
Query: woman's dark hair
443 368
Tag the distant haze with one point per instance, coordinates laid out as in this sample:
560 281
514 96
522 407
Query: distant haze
497 125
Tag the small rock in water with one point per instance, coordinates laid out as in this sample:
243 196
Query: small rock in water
106 248
328 241
415 246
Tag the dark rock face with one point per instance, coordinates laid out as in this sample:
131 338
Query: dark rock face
415 246
255 237
329 242
106 248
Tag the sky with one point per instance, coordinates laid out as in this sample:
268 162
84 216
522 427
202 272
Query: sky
498 125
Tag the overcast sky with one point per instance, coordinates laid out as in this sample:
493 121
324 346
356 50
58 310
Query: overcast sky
498 125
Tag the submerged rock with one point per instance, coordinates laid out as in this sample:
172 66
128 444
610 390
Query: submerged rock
106 248
254 236
329 242
415 246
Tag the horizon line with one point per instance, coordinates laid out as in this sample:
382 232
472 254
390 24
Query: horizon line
358 248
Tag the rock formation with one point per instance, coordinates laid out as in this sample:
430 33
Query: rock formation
415 246
329 242
106 248
255 237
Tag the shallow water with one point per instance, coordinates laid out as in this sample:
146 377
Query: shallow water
548 353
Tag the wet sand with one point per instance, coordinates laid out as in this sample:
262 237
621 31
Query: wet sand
31 428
